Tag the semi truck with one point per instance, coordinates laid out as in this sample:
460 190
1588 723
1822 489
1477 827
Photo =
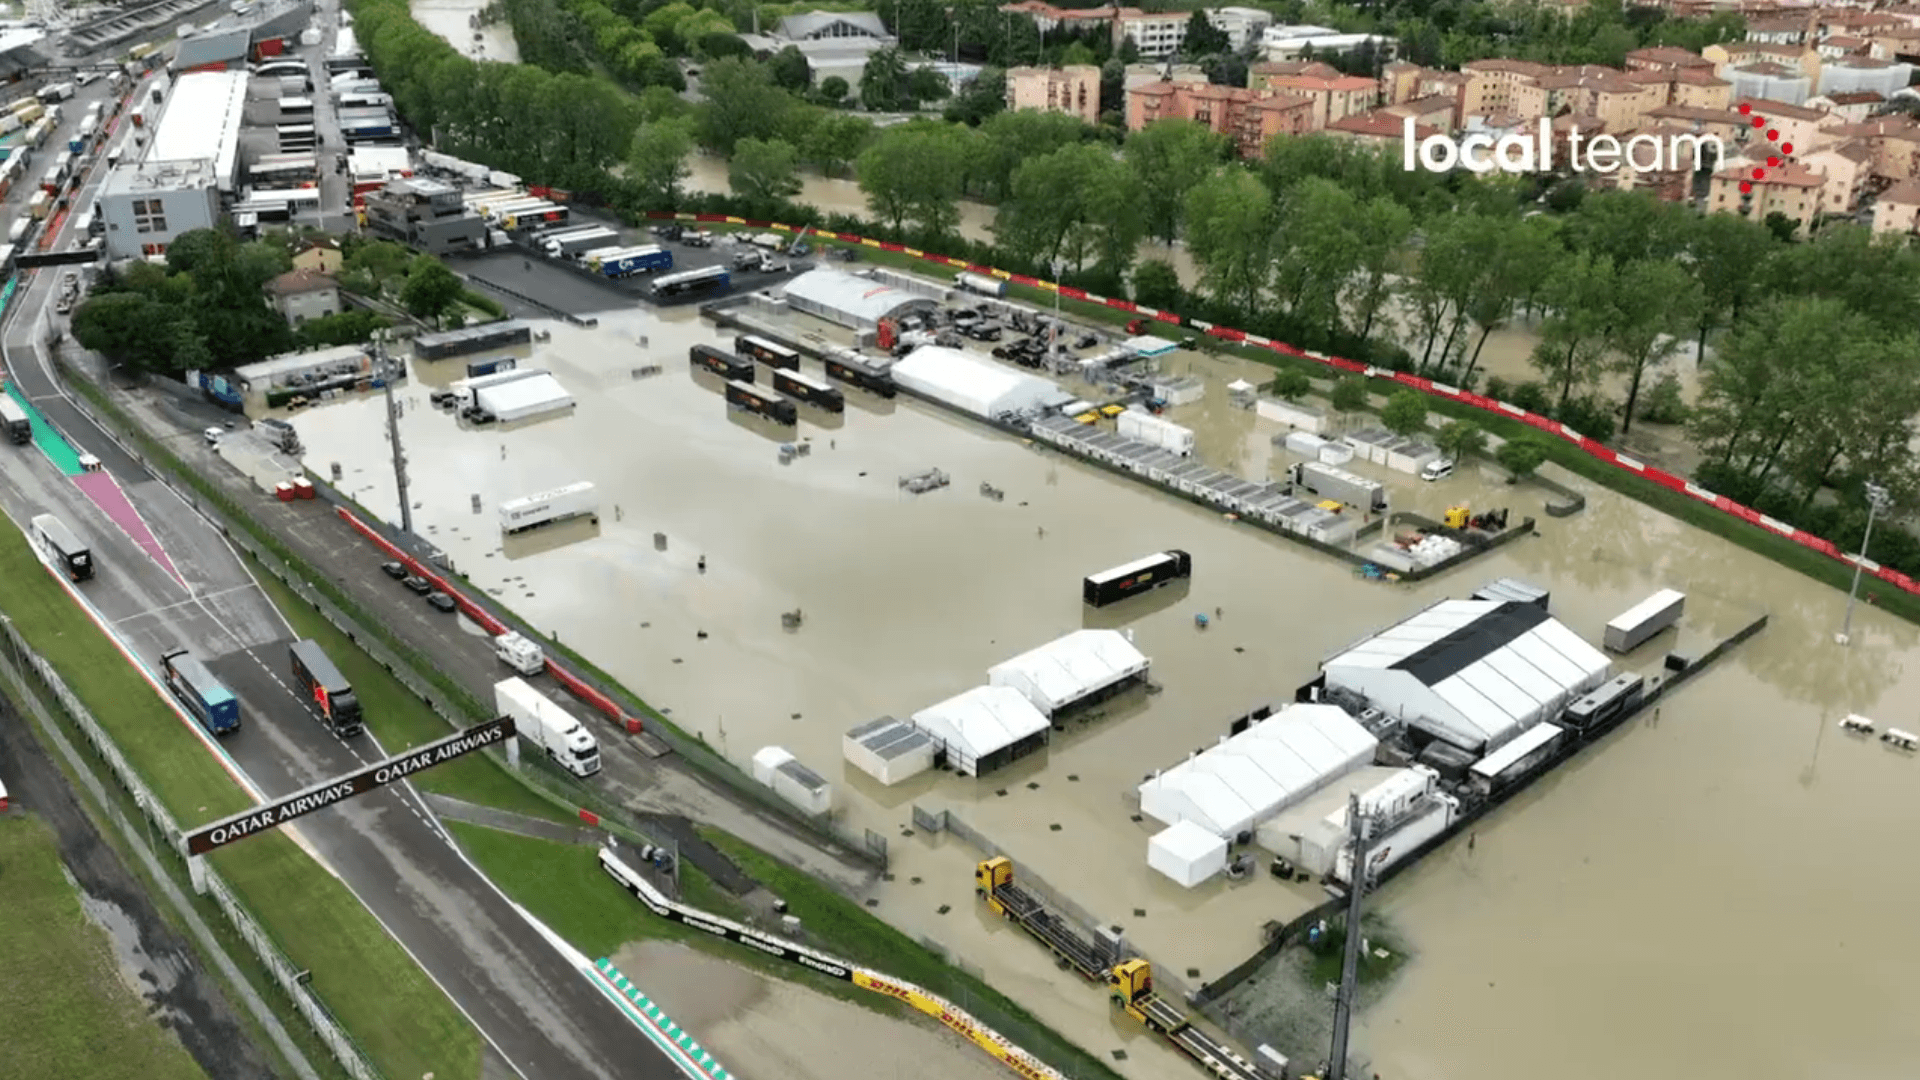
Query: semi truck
726 365
575 500
520 653
630 261
569 242
767 352
1349 488
760 402
206 697
864 376
543 724
327 692
803 387
14 420
1138 576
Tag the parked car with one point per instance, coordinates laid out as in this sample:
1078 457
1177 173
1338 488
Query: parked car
213 435
417 584
394 570
442 602
1437 470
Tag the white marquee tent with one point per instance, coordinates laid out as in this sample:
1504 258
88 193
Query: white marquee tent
1473 672
972 383
1263 770
984 728
1067 669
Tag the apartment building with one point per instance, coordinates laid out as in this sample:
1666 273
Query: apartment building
1847 166
1666 58
1074 89
1898 210
1242 25
1048 18
1153 34
1854 107
1378 130
1435 112
1248 117
1895 143
1671 184
1334 96
1617 101
1790 190
1797 125
1493 84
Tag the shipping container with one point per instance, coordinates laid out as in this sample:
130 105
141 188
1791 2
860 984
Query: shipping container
867 378
69 554
726 365
741 395
206 697
1607 703
767 352
1152 430
477 368
1138 576
1349 488
980 283
14 421
803 387
549 507
472 339
1636 625
327 692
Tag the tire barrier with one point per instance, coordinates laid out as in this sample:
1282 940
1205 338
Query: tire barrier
1592 447
952 1016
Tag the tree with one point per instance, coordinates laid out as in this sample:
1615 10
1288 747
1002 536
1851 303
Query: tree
1291 385
1350 394
720 44
431 288
1073 204
926 84
1579 292
1462 439
344 328
1654 303
834 89
914 172
1156 284
1170 157
742 103
983 97
657 161
1203 38
763 172
1379 232
1781 226
1010 138
1405 413
790 70
1666 401
140 331
883 80
1521 456
1230 233
836 140
1730 257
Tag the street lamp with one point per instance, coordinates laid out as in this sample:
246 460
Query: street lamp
1878 499
1059 268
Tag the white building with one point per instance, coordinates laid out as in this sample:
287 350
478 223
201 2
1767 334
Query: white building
1155 33
1234 786
1474 673
1242 25
1768 81
854 301
1187 853
974 384
1853 74
1287 43
173 186
984 728
888 750
1069 670
834 42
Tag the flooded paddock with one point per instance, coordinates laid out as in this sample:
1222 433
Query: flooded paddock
452 21
909 598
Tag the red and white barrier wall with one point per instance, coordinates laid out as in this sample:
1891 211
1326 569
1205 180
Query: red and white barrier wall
1428 386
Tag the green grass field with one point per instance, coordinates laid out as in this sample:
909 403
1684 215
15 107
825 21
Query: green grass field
64 1007
403 721
357 968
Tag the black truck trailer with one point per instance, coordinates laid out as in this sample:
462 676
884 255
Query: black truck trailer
760 402
724 364
803 387
857 374
1138 576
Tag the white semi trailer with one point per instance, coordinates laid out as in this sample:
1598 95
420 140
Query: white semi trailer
574 500
543 724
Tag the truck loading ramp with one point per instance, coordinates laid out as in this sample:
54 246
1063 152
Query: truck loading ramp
1027 910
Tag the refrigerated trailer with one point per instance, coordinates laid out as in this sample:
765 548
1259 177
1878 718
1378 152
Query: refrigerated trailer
1349 488
66 550
548 507
547 726
1138 576
1633 627
760 402
206 697
568 242
327 692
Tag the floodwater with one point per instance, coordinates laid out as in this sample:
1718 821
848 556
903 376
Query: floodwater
452 20
762 1027
153 978
1736 831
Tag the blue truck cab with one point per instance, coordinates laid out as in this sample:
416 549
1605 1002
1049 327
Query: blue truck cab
206 697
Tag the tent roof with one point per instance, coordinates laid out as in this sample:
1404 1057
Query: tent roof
1069 667
523 394
961 377
1187 841
888 738
982 720
1266 766
858 297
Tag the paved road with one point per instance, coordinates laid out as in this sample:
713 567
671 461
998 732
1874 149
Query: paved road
540 1013
180 996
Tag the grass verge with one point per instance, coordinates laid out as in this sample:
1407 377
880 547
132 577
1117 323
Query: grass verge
843 928
357 968
403 721
564 887
68 1013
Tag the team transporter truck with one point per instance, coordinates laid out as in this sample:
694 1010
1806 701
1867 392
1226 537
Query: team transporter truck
1129 981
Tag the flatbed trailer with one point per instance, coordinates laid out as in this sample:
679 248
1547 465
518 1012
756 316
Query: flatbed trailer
993 880
1132 984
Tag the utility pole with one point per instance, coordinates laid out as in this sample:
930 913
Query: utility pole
1878 500
389 370
1360 830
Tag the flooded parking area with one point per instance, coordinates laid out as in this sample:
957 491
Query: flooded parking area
907 599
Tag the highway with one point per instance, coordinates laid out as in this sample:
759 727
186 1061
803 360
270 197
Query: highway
540 1015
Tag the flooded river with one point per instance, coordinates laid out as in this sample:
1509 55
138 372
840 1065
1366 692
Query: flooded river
453 21
1679 883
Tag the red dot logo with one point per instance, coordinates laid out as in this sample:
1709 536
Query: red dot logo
1774 161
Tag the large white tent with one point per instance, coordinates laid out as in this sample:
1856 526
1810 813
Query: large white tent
1070 669
984 728
972 383
1473 672
1248 778
851 300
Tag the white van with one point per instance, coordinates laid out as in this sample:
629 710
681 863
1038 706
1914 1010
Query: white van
19 230
1437 470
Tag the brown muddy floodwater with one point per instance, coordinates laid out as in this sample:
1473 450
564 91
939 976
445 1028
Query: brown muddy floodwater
1678 896
450 20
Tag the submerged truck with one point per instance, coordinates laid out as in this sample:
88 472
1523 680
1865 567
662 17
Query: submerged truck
327 692
543 724
560 504
206 697
1350 488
